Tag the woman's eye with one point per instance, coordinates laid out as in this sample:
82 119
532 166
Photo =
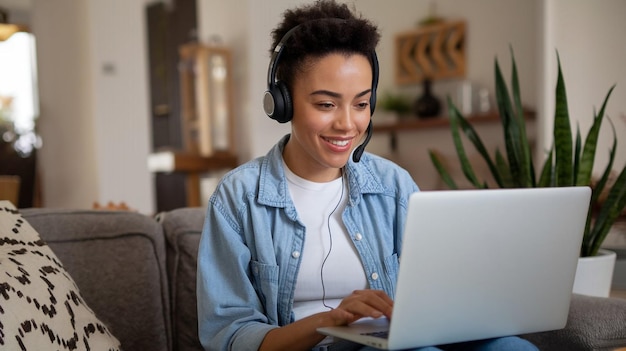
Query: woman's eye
362 105
325 105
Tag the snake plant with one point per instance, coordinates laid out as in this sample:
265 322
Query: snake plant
569 162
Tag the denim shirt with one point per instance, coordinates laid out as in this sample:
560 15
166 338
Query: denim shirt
250 247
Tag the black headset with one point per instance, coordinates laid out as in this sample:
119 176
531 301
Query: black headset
277 101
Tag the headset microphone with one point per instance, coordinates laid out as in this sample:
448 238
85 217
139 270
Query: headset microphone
358 152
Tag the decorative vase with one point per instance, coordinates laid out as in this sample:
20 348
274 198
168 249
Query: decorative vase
427 105
594 274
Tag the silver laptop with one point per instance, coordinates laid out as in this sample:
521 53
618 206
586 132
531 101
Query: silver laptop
479 264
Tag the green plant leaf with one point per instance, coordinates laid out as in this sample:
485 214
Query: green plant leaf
599 188
577 153
590 234
610 210
562 134
503 170
510 129
474 138
587 159
466 166
400 104
443 172
546 179
527 171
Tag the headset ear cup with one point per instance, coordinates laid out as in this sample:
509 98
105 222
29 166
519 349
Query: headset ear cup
274 103
269 103
277 103
287 110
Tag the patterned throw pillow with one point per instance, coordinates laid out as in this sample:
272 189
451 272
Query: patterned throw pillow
41 307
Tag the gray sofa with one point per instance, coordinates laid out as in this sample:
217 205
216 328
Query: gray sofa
137 273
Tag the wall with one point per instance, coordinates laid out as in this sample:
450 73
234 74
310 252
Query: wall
94 104
121 105
68 165
587 36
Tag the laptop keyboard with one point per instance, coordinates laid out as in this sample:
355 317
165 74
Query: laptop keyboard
383 334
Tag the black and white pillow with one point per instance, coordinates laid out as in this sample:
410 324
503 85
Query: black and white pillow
41 307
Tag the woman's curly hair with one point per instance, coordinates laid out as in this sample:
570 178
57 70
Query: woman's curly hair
324 27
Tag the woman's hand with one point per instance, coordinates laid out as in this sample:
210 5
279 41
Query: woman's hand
362 303
303 335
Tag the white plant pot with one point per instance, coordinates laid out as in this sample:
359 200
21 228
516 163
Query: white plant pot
594 274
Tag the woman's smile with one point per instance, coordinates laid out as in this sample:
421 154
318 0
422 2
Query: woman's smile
340 143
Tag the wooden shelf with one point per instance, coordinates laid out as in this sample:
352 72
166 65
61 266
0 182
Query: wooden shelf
180 161
413 123
193 165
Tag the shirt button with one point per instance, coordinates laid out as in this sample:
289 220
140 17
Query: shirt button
358 237
295 254
375 276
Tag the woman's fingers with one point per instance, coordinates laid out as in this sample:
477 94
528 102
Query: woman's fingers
368 303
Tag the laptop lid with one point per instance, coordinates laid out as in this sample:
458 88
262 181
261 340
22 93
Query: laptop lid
480 264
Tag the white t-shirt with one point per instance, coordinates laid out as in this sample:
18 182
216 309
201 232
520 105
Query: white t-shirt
330 268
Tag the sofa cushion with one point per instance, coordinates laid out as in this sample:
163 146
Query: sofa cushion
182 228
593 323
43 308
117 258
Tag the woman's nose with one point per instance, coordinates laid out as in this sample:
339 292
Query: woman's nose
345 119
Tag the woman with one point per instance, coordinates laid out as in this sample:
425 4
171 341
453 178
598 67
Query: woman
310 234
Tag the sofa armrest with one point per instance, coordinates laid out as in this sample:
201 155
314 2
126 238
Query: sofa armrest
594 323
182 228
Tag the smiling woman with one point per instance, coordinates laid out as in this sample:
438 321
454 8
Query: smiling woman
307 236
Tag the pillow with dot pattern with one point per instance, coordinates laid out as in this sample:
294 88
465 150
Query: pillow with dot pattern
41 307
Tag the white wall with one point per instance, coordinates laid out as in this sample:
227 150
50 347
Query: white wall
588 37
68 164
94 103
119 69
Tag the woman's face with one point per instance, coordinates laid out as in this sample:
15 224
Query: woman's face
331 113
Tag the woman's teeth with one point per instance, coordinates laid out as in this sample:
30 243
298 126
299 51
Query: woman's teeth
338 142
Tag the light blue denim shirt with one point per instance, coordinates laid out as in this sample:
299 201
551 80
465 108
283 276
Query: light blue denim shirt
249 252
